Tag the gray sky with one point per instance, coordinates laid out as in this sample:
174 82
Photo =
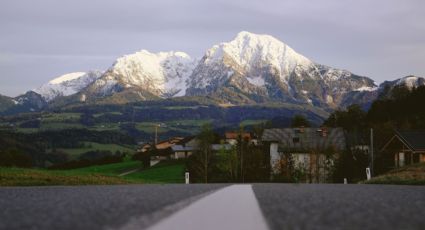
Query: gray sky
42 39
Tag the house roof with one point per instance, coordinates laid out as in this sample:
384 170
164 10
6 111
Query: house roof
234 135
306 138
415 140
168 143
185 140
215 147
172 140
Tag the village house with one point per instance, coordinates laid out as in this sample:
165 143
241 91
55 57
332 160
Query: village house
162 149
309 150
232 137
177 148
187 146
184 148
405 147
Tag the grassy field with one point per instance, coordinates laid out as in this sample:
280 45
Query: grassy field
180 107
61 117
27 130
39 177
164 172
60 126
55 121
108 169
58 122
111 113
91 146
105 127
252 122
71 120
190 126
408 175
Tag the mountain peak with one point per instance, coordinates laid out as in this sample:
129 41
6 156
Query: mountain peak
245 35
67 77
264 68
249 49
163 74
67 84
411 81
255 67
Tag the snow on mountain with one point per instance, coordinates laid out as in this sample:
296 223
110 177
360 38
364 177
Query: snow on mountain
257 81
386 87
67 84
67 77
366 88
263 68
252 51
247 54
251 68
410 81
163 74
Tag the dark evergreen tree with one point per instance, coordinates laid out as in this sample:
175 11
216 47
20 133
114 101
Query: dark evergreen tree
300 121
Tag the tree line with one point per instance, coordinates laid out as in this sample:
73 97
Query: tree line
40 148
399 108
243 162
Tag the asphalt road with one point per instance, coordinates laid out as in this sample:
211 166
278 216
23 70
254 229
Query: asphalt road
281 206
91 207
321 206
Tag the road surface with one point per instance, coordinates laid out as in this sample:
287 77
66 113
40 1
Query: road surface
213 206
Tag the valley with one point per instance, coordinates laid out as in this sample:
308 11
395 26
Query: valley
139 119
100 120
166 172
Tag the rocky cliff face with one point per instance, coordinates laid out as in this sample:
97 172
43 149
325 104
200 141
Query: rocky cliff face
257 68
145 75
28 102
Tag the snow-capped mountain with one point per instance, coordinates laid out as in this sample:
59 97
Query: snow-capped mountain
67 84
385 89
255 68
162 74
248 54
408 81
366 95
28 102
251 68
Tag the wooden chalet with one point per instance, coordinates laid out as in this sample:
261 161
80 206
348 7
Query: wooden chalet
407 147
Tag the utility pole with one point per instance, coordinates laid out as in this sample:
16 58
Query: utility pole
156 134
371 152
242 171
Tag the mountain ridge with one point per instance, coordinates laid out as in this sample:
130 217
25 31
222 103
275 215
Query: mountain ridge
262 65
250 69
67 84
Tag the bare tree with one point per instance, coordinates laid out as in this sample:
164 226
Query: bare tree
206 138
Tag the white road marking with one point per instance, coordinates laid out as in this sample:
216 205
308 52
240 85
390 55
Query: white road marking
234 207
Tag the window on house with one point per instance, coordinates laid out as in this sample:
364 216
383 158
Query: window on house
296 140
